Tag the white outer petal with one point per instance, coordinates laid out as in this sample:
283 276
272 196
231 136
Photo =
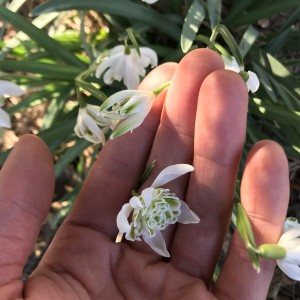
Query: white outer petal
231 64
131 77
147 195
117 97
290 224
151 54
135 202
10 89
253 82
291 270
122 218
150 1
85 121
170 173
187 216
157 243
109 62
117 49
130 123
141 100
4 119
289 235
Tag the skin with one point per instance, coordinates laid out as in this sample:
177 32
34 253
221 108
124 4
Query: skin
200 121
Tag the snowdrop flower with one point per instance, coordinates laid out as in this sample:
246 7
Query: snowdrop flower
290 241
287 250
125 63
154 210
87 124
8 88
252 81
131 105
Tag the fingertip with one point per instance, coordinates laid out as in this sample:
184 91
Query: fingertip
158 76
226 81
265 189
209 59
221 116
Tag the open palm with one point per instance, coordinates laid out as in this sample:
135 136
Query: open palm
200 121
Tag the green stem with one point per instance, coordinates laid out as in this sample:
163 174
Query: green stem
80 82
212 38
161 88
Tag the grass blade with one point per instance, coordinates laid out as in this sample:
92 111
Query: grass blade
40 37
124 8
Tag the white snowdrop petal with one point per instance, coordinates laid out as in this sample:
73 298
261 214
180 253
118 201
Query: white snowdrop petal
157 243
151 54
150 1
115 98
122 218
10 89
4 119
135 202
253 82
147 195
289 235
187 216
231 63
170 173
291 270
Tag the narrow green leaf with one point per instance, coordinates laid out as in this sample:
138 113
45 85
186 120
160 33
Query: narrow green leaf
214 8
27 101
245 230
262 12
230 41
274 112
70 155
278 42
265 82
192 21
40 37
248 39
55 106
58 132
124 8
48 70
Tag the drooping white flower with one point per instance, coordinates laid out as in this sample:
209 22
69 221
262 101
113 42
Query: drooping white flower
125 63
8 88
290 241
88 120
131 105
154 210
231 64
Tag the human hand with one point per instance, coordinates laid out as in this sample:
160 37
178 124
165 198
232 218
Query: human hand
208 131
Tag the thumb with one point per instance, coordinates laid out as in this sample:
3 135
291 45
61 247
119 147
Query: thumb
26 192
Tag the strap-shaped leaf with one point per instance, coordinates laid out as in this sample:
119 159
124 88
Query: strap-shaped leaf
214 8
260 12
248 39
40 37
48 70
192 21
124 8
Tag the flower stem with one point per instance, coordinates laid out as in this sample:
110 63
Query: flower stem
212 38
80 82
158 90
